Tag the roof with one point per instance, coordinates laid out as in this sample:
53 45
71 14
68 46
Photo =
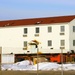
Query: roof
33 21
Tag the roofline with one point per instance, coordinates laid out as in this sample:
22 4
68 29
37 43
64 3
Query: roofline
34 21
38 18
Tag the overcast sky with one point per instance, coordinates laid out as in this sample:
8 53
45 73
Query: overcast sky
22 9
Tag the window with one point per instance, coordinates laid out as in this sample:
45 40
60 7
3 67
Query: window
73 42
62 42
25 30
62 28
49 42
37 30
49 29
25 43
73 28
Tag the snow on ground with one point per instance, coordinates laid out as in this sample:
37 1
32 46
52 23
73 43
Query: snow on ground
46 66
27 65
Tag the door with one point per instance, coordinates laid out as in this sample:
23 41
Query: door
7 58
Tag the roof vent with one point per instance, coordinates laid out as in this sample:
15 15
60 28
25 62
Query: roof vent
7 24
38 22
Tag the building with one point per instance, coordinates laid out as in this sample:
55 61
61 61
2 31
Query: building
51 32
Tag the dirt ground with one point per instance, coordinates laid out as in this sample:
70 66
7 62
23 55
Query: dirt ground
35 73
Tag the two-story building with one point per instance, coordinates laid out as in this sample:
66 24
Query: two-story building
51 33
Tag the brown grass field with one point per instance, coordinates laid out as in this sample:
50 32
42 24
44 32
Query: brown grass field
35 73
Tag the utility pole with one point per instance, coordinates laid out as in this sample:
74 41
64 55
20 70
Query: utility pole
37 60
61 60
36 43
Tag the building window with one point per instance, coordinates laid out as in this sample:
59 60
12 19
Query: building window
62 28
49 29
25 30
25 43
62 42
49 42
37 30
73 28
73 42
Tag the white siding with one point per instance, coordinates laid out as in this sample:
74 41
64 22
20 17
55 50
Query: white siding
11 38
72 34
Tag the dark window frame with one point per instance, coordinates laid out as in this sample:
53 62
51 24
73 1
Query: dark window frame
25 30
49 29
25 43
62 42
73 28
49 42
37 30
62 28
73 42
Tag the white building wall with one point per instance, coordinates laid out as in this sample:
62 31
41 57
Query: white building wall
11 38
55 37
72 34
